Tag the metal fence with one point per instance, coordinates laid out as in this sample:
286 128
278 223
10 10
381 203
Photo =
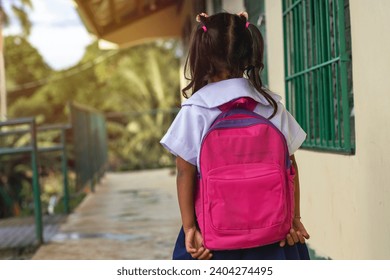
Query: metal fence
28 127
318 72
90 145
90 152
59 147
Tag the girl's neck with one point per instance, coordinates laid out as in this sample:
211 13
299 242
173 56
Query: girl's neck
221 76
218 78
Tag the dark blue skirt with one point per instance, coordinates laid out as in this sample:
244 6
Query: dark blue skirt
269 252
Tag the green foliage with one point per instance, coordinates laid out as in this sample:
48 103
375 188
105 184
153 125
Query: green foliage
24 67
20 10
23 62
15 185
136 88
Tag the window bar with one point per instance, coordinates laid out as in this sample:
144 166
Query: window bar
290 50
337 87
339 94
318 73
306 76
291 60
344 75
326 63
330 102
337 75
295 59
322 76
324 16
333 54
291 6
327 91
314 76
302 51
286 54
300 57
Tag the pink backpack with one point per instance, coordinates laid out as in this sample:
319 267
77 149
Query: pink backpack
245 196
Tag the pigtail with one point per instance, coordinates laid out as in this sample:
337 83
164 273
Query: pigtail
193 66
202 18
244 17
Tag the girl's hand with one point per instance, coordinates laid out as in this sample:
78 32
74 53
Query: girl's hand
194 244
297 234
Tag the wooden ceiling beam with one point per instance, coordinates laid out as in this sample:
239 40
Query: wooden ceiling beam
117 19
85 8
140 7
114 26
113 13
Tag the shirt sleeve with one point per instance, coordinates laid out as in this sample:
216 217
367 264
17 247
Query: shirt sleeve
290 128
184 136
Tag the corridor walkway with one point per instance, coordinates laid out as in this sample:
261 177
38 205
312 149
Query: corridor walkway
131 215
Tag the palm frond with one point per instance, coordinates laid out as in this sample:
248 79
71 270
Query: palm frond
22 16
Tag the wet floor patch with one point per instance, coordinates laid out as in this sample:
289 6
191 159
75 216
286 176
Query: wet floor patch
131 218
143 196
61 237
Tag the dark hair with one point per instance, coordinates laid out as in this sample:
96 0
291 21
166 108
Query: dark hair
227 46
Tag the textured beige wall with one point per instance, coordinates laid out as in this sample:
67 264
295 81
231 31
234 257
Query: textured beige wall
346 199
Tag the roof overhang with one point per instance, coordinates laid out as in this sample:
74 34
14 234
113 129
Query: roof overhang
130 22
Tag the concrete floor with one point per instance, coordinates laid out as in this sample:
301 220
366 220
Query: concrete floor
133 215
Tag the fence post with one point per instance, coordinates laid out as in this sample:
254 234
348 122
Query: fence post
36 186
65 172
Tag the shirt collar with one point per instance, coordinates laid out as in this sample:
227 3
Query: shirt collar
215 94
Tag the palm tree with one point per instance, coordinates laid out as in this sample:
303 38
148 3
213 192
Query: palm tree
18 8
146 86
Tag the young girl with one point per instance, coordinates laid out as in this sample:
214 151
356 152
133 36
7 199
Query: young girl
224 49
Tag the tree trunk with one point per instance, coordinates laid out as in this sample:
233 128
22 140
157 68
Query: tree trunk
3 93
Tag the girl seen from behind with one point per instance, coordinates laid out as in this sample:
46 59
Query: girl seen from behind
224 63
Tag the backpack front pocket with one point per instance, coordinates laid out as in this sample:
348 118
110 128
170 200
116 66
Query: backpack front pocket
246 196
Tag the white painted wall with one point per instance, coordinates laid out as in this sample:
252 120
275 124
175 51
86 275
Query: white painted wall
345 200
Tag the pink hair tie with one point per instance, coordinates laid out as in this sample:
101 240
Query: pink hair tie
247 24
204 28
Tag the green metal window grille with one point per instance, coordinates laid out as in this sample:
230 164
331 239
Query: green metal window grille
318 72
217 6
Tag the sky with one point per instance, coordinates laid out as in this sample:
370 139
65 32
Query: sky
57 32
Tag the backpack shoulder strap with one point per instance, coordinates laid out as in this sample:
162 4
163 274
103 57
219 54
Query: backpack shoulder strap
241 102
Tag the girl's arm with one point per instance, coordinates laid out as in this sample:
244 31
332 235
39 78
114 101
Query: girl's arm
298 232
297 210
186 183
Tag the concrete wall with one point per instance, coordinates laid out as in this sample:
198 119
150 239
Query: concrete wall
233 6
345 200
230 6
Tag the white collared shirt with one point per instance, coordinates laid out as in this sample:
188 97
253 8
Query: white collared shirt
185 135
